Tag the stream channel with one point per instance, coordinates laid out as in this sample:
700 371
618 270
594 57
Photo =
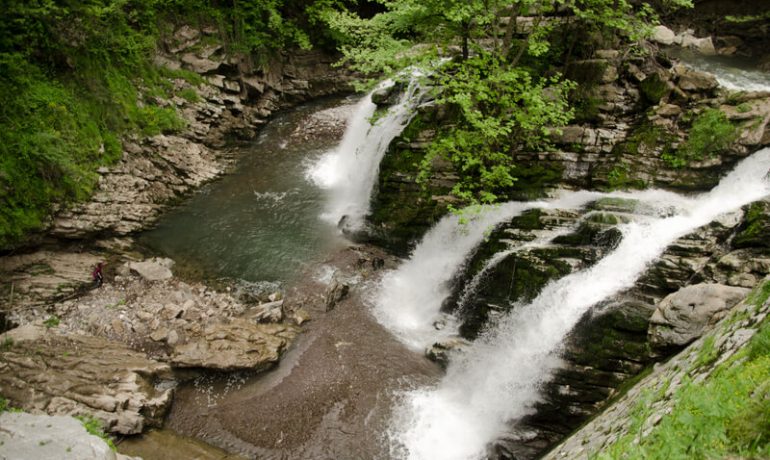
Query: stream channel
331 394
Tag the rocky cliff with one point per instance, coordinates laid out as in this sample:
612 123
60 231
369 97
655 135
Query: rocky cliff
697 383
637 124
228 101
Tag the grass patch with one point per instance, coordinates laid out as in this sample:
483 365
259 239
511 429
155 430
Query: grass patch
727 416
94 427
711 133
51 321
759 295
707 354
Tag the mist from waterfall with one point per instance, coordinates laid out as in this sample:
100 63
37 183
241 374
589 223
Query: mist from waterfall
349 172
497 379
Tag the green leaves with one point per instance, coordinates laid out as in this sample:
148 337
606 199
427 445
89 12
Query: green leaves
499 110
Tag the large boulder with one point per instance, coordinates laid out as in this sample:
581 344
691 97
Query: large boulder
32 437
239 344
685 315
663 35
155 269
694 80
43 371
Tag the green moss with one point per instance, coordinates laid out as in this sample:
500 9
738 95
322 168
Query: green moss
711 134
614 204
653 89
759 295
620 177
707 354
727 415
94 427
533 180
528 220
756 227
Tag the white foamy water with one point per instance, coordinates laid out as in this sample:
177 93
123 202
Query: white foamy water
729 76
497 379
408 300
350 171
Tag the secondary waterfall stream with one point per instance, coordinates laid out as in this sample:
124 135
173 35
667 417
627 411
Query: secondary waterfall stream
349 171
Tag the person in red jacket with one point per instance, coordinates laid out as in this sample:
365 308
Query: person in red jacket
97 275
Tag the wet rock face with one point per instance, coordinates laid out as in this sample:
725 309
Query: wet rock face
43 371
619 338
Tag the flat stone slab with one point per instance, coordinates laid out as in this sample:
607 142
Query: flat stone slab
33 437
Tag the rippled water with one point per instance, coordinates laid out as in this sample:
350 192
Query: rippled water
735 74
262 221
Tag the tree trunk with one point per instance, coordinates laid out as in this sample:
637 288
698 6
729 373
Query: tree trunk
466 37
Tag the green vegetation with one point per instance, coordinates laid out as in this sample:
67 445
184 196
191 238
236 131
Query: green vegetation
754 231
748 18
760 294
94 427
711 133
75 77
499 109
505 96
51 321
725 416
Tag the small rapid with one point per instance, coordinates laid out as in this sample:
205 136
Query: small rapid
497 379
732 74
349 171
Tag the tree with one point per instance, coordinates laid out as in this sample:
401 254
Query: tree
501 101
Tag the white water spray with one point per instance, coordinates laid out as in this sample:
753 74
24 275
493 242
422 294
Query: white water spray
730 77
350 171
497 379
408 300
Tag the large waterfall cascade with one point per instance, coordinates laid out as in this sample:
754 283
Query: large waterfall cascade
497 379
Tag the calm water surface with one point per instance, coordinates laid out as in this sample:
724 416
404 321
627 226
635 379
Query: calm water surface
262 221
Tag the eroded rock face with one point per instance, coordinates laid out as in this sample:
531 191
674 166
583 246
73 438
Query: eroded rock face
686 314
144 307
42 371
33 437
232 101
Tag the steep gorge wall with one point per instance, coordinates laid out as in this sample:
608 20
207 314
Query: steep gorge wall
630 128
230 103
635 415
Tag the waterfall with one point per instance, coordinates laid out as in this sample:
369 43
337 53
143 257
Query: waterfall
408 300
349 172
497 379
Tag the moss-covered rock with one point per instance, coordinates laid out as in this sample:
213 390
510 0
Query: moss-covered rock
755 232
